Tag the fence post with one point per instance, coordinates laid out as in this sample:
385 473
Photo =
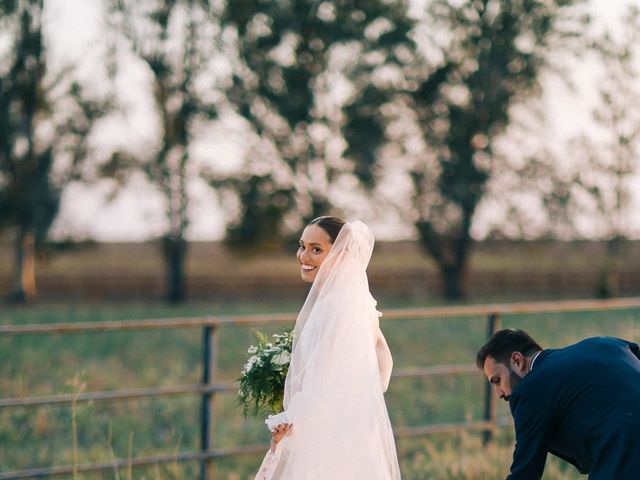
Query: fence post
493 325
208 373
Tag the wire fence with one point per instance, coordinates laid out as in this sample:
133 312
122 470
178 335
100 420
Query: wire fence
209 386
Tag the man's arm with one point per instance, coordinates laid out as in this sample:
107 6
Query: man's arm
532 421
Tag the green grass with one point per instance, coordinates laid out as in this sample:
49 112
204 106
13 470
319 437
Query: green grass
50 364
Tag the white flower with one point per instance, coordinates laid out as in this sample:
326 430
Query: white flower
281 359
253 360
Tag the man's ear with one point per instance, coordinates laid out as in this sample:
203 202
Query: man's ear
517 361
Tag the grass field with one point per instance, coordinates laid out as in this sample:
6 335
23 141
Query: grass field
100 432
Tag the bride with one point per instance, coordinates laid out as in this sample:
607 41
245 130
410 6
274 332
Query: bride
335 423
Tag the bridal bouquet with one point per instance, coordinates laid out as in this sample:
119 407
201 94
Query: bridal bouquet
262 379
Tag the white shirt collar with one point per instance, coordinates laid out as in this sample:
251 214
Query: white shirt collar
533 360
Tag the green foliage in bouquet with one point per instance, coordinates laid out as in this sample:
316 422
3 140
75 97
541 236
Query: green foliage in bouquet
262 379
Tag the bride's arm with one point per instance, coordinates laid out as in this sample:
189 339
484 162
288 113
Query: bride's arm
336 351
385 361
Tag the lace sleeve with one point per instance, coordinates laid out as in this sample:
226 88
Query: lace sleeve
273 421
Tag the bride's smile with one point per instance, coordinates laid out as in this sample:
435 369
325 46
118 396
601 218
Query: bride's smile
315 244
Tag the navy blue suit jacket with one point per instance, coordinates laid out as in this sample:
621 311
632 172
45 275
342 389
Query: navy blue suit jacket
581 403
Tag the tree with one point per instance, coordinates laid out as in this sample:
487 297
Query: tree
611 157
45 120
474 61
174 39
289 63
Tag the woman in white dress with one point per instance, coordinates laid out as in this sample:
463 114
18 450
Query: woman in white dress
335 424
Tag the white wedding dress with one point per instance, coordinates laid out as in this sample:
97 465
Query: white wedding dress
340 368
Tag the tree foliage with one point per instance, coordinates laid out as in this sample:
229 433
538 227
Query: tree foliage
174 40
613 154
45 120
610 159
291 63
474 61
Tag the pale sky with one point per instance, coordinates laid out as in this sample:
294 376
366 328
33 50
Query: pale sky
75 30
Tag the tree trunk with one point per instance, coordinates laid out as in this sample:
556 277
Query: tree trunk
174 253
453 285
609 278
450 254
24 280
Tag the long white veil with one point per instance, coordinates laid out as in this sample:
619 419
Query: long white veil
334 387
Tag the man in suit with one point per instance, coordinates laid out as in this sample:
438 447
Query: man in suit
581 403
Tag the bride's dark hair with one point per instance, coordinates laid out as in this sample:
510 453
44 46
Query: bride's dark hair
331 225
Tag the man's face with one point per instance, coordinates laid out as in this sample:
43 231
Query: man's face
503 378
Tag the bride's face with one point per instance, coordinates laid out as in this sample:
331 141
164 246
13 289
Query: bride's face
315 243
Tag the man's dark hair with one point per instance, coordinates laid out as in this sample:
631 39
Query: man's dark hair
504 343
331 225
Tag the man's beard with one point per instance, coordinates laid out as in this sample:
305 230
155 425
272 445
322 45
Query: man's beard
514 381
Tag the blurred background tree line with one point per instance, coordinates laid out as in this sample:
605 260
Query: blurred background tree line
416 110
